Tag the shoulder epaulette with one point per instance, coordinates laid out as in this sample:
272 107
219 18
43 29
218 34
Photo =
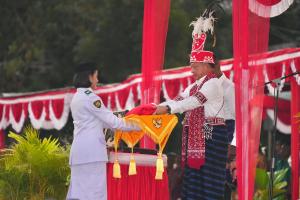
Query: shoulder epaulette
87 92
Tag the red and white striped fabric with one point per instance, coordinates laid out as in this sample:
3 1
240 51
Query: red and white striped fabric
273 7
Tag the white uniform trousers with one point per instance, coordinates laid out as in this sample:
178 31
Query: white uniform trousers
88 182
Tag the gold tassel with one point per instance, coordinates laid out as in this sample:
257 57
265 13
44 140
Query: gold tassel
132 166
158 175
116 169
159 167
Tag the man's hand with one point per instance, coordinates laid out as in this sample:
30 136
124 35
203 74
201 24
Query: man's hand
161 110
233 170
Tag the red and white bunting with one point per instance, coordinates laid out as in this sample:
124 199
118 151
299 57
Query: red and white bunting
269 8
50 110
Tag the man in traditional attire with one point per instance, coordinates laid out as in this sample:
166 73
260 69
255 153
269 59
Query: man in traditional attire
204 138
88 154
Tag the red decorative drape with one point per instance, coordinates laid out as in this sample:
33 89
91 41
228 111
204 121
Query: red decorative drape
284 113
295 138
141 186
2 144
274 7
250 39
37 108
155 26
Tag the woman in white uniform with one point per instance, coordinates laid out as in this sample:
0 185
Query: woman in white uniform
88 154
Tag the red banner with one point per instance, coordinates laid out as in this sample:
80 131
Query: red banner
250 41
155 27
295 138
2 139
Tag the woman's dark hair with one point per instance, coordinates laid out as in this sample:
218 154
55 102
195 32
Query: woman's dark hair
83 72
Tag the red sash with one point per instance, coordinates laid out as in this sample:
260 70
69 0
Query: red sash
193 123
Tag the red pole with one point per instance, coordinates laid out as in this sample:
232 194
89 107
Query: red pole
295 139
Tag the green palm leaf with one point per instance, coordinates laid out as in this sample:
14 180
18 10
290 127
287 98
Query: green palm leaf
33 168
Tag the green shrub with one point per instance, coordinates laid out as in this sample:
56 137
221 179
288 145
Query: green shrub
262 185
33 169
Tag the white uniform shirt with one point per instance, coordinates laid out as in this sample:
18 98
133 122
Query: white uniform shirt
229 97
90 118
233 142
211 90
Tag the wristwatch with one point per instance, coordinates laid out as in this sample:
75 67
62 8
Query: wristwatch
168 109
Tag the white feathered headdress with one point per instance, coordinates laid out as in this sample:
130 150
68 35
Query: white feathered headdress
204 24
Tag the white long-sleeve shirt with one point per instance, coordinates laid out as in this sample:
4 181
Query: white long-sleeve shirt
229 102
90 117
229 97
210 96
